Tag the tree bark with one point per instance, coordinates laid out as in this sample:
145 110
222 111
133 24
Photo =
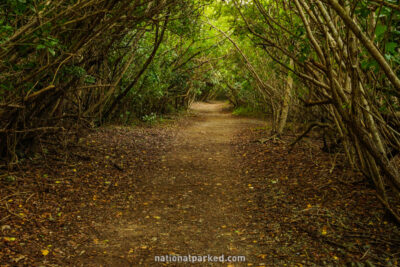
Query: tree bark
285 101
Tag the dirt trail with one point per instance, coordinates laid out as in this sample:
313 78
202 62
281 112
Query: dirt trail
201 186
199 207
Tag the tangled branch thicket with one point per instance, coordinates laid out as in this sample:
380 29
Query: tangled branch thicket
346 61
68 63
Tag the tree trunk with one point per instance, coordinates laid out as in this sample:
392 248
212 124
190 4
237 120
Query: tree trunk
285 101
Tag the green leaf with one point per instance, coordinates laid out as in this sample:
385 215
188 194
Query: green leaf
51 50
388 57
370 64
380 30
90 79
391 47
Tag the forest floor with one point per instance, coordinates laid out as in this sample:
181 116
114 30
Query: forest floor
201 186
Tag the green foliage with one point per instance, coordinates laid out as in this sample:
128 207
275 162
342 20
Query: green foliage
243 111
76 71
149 118
249 111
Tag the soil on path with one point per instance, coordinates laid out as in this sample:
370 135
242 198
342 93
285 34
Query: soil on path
193 204
204 186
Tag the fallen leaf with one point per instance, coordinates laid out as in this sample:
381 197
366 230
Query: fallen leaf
18 258
324 231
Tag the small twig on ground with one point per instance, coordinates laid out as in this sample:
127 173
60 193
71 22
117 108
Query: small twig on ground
274 137
12 213
365 254
309 128
26 201
5 218
115 165
333 163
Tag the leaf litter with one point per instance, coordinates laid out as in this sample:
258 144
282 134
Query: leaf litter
122 195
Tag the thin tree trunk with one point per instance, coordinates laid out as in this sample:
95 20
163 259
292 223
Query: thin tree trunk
122 95
285 101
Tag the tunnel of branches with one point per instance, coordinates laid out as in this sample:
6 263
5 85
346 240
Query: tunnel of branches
332 66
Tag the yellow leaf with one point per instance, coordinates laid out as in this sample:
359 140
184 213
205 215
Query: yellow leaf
9 239
45 252
324 231
157 217
74 170
309 206
335 258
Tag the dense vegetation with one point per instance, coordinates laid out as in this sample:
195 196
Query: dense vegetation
332 64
